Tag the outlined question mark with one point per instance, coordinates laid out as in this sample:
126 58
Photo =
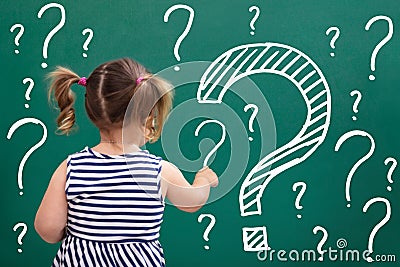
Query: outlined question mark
322 241
252 117
18 36
11 131
379 225
221 141
88 40
21 234
356 102
382 42
334 38
250 59
185 32
391 170
341 140
54 30
29 90
209 227
299 195
254 19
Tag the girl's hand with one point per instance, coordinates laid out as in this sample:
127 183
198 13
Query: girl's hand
208 174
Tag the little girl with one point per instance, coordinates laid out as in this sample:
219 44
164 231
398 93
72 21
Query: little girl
106 203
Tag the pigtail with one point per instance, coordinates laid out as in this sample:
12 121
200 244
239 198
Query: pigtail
163 105
61 81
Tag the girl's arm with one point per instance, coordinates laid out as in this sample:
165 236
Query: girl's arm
51 217
183 195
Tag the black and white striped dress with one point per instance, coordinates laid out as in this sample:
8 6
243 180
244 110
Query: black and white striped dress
115 210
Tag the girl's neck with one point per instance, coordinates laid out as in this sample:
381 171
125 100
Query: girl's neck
113 143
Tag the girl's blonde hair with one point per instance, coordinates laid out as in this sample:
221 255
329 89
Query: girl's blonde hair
109 90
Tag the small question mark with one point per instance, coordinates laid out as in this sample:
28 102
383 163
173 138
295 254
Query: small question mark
357 102
221 141
299 195
22 234
209 227
381 43
335 37
252 117
88 39
322 241
185 32
380 224
391 170
54 30
251 9
11 131
29 90
341 140
19 34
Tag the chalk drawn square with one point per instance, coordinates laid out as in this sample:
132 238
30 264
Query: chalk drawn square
255 238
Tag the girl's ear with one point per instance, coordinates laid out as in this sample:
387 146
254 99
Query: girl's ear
150 127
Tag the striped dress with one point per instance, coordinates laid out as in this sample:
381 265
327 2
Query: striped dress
115 210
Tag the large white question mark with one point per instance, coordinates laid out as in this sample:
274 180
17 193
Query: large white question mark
322 241
18 36
380 224
306 76
334 38
252 117
356 102
11 131
209 227
29 90
382 42
22 234
391 170
185 32
54 30
299 195
88 39
254 19
341 140
221 141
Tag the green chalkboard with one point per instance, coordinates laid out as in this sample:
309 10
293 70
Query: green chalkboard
282 89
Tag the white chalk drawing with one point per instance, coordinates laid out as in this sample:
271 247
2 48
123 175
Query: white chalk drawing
29 90
11 131
252 117
391 170
88 40
303 189
379 225
21 234
298 68
339 143
334 38
341 243
381 43
209 227
185 32
356 102
54 30
220 142
321 243
255 239
19 34
254 19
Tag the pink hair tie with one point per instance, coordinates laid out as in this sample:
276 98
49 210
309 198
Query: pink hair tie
139 80
82 81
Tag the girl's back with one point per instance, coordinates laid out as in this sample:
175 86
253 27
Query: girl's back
114 206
